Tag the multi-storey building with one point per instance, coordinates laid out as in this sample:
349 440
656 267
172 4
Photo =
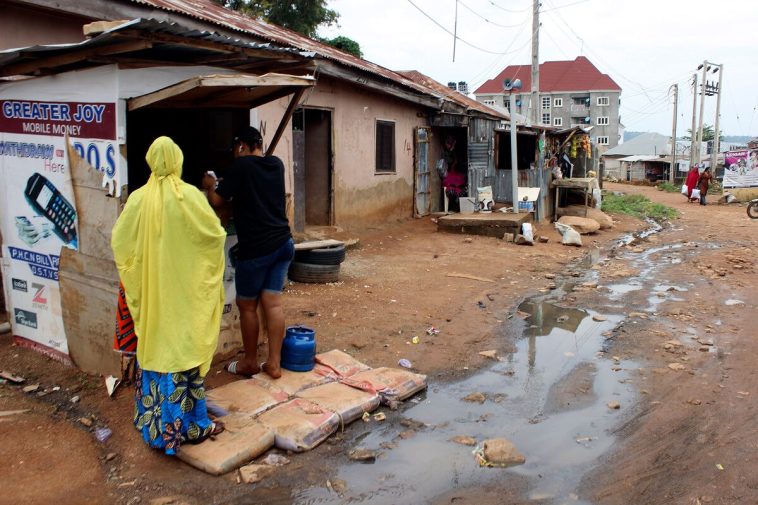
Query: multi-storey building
571 93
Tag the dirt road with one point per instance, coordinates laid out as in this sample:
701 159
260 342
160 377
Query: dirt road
668 443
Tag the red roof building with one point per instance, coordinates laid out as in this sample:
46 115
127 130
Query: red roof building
571 93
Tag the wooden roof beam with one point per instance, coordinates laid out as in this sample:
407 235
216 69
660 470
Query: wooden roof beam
60 60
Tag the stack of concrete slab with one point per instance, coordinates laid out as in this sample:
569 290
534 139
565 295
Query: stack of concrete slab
297 411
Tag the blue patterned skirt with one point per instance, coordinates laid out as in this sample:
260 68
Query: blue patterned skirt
170 408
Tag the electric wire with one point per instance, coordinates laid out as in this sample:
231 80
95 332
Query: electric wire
485 19
558 17
564 5
513 11
453 34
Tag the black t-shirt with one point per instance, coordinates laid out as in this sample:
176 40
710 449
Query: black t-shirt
255 186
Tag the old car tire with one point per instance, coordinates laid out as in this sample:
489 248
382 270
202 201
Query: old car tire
318 274
324 256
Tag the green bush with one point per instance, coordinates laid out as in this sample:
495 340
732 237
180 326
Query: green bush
638 206
668 187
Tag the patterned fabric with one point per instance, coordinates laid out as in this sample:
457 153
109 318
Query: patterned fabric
125 340
170 408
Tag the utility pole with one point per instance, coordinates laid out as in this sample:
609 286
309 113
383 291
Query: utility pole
673 136
702 113
716 146
455 29
535 115
693 134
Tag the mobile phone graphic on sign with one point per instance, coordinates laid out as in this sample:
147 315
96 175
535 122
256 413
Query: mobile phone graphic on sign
45 198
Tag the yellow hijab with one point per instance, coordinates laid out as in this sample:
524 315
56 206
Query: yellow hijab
169 249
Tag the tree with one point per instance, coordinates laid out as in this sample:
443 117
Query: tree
302 16
345 44
708 134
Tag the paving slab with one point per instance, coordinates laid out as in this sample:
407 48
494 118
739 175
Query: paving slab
348 402
249 397
242 440
300 425
291 382
392 384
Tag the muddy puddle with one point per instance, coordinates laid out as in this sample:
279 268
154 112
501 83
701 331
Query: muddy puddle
549 398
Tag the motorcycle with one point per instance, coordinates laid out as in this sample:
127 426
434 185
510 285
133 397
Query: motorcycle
752 209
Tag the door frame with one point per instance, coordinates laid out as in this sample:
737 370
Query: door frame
416 190
331 191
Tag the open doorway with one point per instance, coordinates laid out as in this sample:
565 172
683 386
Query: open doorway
204 136
453 173
312 152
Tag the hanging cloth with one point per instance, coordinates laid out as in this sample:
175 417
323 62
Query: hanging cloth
168 245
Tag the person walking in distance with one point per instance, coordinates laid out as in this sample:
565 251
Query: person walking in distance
703 183
254 184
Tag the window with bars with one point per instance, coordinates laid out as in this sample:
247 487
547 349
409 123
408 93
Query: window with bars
546 118
507 103
602 120
545 102
558 102
557 121
489 102
603 141
603 100
385 146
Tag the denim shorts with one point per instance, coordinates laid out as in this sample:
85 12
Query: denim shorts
264 273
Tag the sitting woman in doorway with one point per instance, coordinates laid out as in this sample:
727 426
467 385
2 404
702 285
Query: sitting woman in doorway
168 246
454 181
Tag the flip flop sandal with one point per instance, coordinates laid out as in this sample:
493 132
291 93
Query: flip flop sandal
218 428
232 369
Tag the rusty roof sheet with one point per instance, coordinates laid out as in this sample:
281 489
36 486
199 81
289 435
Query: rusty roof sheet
208 11
452 95
168 50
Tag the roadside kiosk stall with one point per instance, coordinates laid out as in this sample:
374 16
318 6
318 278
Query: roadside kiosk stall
74 131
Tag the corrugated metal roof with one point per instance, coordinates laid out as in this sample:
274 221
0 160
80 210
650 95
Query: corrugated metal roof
211 12
144 28
555 76
449 94
650 143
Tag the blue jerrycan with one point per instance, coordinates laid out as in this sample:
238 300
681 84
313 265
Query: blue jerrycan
299 349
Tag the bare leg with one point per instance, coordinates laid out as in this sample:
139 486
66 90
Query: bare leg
272 306
250 328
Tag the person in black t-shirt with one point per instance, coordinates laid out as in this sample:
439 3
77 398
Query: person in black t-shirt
254 184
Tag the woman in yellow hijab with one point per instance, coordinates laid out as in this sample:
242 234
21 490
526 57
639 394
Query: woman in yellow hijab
169 249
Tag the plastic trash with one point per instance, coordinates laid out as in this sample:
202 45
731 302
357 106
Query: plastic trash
432 331
276 460
103 434
405 363
415 339
111 383
527 232
570 235
597 195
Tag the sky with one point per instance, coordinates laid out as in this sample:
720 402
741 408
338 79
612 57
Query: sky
644 45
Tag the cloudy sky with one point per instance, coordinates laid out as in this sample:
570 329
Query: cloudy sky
644 45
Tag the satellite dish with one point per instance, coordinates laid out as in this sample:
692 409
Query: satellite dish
509 84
